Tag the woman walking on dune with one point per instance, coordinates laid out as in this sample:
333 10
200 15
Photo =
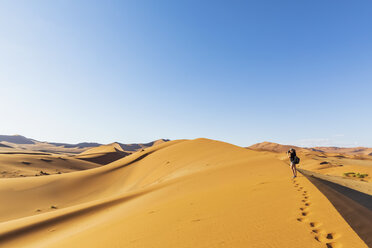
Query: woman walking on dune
294 160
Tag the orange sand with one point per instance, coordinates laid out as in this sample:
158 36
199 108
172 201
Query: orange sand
185 193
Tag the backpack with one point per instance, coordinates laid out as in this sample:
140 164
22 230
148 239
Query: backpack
297 160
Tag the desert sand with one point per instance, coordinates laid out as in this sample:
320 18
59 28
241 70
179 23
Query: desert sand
21 143
25 164
183 193
24 157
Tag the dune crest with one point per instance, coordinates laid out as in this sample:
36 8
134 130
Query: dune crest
103 154
113 147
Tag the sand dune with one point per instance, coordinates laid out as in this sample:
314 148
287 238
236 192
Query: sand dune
25 164
351 151
184 193
272 147
6 146
106 154
114 147
103 154
139 146
19 143
18 159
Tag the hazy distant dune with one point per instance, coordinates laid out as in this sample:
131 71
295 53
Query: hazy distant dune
71 157
23 143
79 145
272 147
106 154
135 147
275 147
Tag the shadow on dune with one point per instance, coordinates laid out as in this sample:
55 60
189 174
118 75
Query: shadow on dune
354 206
6 146
26 153
106 158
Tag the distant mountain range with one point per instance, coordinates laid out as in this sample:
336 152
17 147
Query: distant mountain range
20 142
16 139
275 147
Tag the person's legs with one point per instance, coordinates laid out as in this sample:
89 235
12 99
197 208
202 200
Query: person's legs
294 171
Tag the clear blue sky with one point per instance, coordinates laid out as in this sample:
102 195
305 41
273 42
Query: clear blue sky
297 72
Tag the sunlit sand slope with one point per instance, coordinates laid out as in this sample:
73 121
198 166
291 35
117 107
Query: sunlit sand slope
197 193
28 163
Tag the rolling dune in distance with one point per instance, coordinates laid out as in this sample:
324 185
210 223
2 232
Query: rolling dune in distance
23 157
103 154
22 143
182 193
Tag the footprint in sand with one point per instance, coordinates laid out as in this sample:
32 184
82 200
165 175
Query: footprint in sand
324 237
302 219
318 231
304 213
333 245
333 236
319 234
315 224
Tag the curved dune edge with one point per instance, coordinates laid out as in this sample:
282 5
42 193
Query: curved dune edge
187 193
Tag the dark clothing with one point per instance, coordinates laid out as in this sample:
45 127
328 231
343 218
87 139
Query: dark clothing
293 155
